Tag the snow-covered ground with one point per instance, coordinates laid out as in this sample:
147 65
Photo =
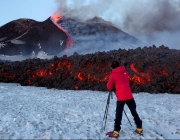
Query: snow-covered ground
41 113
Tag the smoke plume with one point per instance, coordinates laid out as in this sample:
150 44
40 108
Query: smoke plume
154 22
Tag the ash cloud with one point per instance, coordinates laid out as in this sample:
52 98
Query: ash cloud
154 22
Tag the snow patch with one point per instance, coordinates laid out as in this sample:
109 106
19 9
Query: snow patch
29 112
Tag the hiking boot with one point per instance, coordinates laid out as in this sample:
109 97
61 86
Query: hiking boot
139 131
113 134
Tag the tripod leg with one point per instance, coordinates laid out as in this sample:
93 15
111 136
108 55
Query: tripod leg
106 110
107 105
127 117
106 118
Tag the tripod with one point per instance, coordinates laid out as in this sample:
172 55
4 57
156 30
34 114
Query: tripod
106 109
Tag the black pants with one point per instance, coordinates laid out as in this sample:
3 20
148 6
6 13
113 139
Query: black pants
119 111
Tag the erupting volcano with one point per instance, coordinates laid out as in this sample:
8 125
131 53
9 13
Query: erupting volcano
58 34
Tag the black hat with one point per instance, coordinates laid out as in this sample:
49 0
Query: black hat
115 64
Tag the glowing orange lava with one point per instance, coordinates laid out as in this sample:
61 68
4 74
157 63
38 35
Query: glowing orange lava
139 77
7 75
42 73
80 77
69 42
76 87
55 17
64 68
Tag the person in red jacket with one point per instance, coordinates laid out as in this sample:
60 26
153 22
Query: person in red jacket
119 81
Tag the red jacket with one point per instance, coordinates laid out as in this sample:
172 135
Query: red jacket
119 80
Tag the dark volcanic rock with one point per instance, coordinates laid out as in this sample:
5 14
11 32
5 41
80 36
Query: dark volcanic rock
151 69
15 29
23 36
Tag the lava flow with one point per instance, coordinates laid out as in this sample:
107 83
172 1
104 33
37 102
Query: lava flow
69 42
91 72
145 77
139 77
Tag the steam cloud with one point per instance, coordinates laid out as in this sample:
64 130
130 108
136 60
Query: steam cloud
154 21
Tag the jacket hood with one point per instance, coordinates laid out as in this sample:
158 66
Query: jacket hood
120 69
